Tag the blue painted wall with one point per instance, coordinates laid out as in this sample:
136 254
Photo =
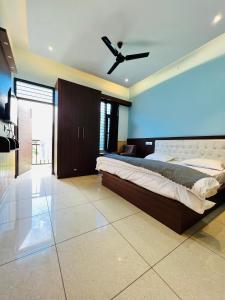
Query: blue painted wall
192 103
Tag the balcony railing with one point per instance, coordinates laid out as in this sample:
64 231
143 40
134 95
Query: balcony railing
41 153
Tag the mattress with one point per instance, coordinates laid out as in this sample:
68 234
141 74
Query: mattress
158 184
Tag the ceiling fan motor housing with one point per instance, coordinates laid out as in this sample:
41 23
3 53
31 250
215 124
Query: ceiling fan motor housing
120 58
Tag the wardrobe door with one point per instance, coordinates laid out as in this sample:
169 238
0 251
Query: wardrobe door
25 136
89 145
78 129
68 130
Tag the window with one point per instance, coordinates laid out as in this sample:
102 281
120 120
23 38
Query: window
108 126
105 121
34 92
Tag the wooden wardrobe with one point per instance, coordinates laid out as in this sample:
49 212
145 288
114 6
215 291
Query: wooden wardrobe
76 132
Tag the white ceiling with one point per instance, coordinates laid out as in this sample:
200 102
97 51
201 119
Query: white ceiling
169 29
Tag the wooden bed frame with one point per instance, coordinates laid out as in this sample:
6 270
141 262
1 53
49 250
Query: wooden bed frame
170 212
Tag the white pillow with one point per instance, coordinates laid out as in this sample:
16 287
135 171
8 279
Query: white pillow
205 163
158 156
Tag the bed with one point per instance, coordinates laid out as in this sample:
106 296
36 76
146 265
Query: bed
173 204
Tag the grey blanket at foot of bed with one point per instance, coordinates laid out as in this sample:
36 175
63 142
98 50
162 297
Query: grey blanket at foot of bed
179 174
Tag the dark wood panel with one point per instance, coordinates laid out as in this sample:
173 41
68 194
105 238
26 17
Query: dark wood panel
7 165
170 212
4 40
117 100
143 150
7 160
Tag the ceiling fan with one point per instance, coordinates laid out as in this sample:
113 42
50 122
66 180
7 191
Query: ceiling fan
120 58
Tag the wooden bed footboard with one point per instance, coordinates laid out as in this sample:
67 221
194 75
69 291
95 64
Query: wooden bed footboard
170 212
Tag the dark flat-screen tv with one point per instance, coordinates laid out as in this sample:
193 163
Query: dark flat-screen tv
11 109
5 84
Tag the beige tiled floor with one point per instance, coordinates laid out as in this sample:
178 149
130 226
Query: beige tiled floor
16 210
75 239
115 208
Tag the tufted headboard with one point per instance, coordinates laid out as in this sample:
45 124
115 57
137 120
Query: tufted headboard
185 149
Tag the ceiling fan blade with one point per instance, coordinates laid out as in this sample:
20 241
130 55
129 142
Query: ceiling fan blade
113 67
136 56
110 46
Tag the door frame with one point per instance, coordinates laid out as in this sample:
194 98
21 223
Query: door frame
42 102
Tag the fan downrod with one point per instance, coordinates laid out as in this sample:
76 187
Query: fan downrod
119 44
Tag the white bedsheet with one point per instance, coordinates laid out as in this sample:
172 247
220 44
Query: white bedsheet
195 198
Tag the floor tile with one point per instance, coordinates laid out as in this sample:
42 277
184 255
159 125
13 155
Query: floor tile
115 208
27 191
11 211
194 272
64 200
49 180
221 217
86 179
148 287
98 265
73 221
212 236
10 195
216 214
24 236
35 277
42 171
59 187
149 237
32 182
96 191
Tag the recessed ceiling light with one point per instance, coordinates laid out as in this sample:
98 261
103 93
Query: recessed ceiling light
217 19
126 79
50 48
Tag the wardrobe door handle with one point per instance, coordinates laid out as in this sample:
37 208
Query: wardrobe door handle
83 133
78 133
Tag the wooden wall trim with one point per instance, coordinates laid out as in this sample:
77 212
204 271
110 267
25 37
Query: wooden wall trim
117 100
5 44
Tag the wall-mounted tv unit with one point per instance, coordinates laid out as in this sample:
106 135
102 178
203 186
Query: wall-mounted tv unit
5 83
11 109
